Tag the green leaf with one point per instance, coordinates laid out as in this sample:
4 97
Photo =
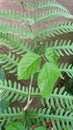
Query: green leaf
15 126
28 66
47 78
41 128
52 55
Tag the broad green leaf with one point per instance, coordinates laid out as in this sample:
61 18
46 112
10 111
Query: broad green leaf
47 78
52 55
41 128
15 126
28 66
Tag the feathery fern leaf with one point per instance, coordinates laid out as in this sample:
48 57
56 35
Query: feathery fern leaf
53 14
60 99
63 47
55 29
50 4
9 115
60 109
9 62
15 44
15 93
67 68
21 49
60 118
15 30
8 14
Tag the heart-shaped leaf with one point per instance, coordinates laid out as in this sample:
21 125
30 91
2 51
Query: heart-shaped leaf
47 78
28 66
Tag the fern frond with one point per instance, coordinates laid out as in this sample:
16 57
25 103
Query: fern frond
8 14
15 93
15 44
53 14
50 4
60 119
10 115
9 62
15 30
68 68
63 47
55 29
21 49
60 99
62 102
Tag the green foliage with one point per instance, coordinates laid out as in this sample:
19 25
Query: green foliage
28 66
63 47
55 29
46 79
15 126
61 117
8 14
52 56
68 68
10 115
50 4
40 128
30 53
3 103
13 93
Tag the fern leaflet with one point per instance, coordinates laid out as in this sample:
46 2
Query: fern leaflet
63 47
9 62
67 68
53 14
50 4
9 115
55 29
8 14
